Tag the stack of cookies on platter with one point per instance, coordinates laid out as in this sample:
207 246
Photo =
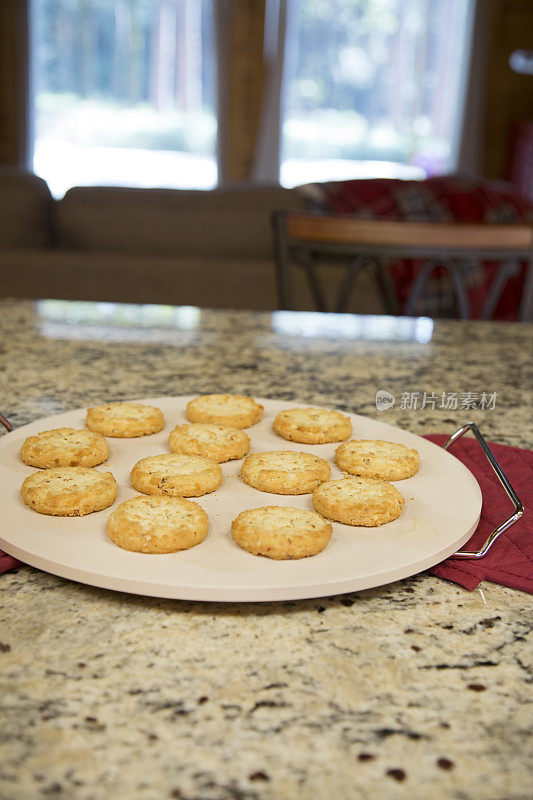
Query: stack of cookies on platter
162 520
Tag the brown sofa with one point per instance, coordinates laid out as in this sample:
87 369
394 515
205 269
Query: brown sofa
207 248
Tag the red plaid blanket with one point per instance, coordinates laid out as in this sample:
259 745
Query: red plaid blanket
441 199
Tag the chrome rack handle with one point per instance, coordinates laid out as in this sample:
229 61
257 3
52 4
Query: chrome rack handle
5 422
518 507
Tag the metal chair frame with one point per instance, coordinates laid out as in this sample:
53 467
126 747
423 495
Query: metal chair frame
296 242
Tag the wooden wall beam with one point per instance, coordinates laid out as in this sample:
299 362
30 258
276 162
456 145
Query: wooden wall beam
13 82
509 95
241 84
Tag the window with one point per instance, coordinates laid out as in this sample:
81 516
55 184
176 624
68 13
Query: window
373 89
124 93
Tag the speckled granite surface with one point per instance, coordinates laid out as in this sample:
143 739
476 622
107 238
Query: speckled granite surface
416 688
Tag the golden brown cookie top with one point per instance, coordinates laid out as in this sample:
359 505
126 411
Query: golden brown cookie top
216 442
65 447
69 491
176 475
59 480
157 524
312 425
284 461
283 520
280 532
234 410
169 464
125 420
358 501
284 471
376 458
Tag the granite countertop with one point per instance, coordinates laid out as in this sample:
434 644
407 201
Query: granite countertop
415 688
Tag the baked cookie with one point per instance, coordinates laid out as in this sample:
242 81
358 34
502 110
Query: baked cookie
69 491
216 442
278 532
234 410
157 524
313 425
377 459
125 420
64 447
358 501
285 472
176 475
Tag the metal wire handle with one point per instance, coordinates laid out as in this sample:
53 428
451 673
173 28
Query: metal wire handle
519 508
5 422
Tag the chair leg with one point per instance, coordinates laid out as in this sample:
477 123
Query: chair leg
346 285
306 261
507 270
417 289
385 285
525 313
461 297
387 288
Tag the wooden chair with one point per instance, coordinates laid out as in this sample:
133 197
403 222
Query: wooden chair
301 238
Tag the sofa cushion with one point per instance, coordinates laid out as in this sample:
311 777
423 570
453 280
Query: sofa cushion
129 278
229 222
26 205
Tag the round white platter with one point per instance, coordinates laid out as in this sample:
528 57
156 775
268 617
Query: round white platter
443 505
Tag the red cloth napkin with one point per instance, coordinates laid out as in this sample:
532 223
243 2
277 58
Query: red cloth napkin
509 561
8 562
